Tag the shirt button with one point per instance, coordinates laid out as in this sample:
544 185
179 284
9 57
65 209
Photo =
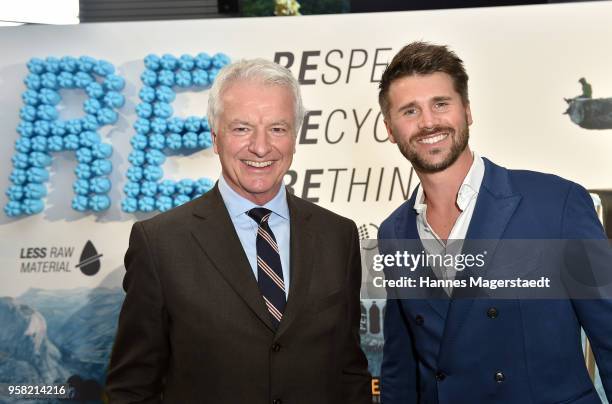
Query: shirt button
499 376
440 376
419 320
492 312
276 347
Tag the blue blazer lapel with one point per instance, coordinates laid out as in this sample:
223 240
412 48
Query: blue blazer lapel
495 205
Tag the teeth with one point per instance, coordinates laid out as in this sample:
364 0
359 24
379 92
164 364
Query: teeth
258 164
433 139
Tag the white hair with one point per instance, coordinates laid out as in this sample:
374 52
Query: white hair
258 70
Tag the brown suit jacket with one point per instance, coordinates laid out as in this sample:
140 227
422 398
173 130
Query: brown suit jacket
194 328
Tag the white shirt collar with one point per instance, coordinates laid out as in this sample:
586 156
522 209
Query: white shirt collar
468 189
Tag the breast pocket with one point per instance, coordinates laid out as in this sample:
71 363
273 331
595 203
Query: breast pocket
328 301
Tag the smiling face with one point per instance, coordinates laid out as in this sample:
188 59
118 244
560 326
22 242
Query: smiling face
428 121
255 139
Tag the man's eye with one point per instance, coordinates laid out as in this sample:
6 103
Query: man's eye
240 129
410 111
279 130
441 105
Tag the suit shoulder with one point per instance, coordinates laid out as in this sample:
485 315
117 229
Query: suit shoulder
173 217
527 182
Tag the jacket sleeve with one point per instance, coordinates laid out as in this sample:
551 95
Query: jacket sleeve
140 353
356 379
580 223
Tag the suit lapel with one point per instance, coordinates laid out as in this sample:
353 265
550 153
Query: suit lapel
406 229
216 236
495 206
303 250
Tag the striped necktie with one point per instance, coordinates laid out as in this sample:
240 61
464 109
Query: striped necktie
269 269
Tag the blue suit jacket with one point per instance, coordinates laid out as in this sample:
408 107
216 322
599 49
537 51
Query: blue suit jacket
449 351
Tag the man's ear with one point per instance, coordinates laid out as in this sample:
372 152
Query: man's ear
213 135
468 114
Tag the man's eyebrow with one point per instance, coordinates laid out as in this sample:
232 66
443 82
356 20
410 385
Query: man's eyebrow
404 107
281 122
441 98
239 122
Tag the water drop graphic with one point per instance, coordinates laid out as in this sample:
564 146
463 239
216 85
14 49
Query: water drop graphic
89 263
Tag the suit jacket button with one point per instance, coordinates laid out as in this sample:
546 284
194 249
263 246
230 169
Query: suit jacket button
440 376
419 320
276 347
492 312
499 376
277 401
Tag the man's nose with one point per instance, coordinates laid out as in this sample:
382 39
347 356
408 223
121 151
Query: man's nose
427 119
260 143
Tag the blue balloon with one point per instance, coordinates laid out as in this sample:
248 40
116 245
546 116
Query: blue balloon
112 82
139 142
30 97
190 140
101 167
152 62
163 203
21 161
167 187
99 203
129 205
13 208
71 142
102 150
49 97
80 203
100 185
52 64
153 173
36 66
132 189
186 62
89 138
134 173
83 171
142 126
158 125
38 159
148 188
69 64
168 62
149 77
37 175
81 187
146 204
66 80
15 192
84 155
157 141
32 206
25 128
35 191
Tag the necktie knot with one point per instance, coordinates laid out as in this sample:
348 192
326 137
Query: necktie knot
260 215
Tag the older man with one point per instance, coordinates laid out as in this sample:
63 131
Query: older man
247 294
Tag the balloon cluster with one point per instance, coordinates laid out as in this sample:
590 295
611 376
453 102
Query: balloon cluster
157 130
41 132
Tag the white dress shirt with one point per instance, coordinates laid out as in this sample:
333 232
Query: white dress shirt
466 201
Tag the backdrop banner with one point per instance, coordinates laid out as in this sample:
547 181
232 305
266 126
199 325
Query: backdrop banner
104 124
